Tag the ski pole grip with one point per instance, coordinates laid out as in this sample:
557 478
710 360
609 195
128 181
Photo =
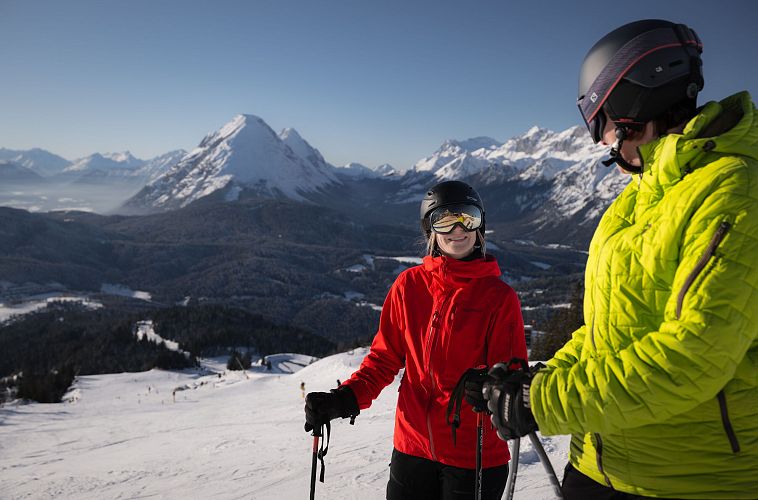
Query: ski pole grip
519 361
317 431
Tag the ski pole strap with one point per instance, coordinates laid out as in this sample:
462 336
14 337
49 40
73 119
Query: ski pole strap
456 400
322 451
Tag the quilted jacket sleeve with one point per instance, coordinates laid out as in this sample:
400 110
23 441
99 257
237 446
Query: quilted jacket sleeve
569 353
387 354
710 322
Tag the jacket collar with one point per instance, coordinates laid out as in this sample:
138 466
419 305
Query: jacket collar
453 273
726 127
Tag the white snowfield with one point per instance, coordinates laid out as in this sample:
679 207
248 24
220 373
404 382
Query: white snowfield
193 434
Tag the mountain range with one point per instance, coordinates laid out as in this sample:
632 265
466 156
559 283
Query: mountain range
260 220
548 177
544 184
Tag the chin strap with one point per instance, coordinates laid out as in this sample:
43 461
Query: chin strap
615 153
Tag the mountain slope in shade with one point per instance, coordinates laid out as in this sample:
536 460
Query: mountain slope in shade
244 151
12 172
155 167
305 151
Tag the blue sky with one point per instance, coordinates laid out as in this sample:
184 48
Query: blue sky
368 81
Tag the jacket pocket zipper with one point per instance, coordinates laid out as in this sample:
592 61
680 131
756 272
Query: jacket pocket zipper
599 457
727 423
718 237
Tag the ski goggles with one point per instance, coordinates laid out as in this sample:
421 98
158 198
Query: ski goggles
596 125
443 220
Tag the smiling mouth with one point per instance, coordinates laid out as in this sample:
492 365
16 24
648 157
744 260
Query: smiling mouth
457 240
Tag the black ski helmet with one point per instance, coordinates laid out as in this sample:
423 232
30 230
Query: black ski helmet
449 193
638 72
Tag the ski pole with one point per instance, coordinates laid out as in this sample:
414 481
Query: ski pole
513 470
314 460
319 453
316 435
537 444
479 443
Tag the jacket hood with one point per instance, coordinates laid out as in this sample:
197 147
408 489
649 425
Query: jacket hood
728 127
457 273
731 125
725 128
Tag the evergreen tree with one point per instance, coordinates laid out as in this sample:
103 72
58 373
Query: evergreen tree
558 329
238 361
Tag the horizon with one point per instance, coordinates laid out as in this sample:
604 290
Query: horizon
368 84
460 140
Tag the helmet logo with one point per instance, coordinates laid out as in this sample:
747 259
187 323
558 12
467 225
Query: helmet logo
471 198
593 97
658 69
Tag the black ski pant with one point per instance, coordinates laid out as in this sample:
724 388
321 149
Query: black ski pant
414 478
577 486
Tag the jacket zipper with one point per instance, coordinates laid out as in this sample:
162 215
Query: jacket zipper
598 439
429 345
599 456
433 329
727 423
718 236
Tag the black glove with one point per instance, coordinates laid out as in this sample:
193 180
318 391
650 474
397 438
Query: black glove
321 407
507 395
473 386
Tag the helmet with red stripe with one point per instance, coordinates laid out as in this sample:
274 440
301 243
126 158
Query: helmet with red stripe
638 72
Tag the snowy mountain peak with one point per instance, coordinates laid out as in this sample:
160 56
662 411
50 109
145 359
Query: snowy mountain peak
535 131
290 134
247 152
41 161
385 169
303 149
240 122
470 145
456 158
107 161
122 157
360 171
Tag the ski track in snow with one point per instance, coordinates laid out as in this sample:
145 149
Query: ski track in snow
227 436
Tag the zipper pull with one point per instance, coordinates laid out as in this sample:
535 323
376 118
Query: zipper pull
436 320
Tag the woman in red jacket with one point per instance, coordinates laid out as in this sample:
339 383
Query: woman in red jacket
439 319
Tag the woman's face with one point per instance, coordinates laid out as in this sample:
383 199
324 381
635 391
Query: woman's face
457 244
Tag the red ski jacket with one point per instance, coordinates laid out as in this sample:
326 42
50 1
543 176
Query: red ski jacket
438 320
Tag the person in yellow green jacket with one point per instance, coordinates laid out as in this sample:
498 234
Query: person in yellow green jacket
659 388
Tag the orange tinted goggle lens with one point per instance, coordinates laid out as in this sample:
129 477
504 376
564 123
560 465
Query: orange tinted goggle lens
444 219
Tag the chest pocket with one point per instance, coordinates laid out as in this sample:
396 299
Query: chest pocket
466 338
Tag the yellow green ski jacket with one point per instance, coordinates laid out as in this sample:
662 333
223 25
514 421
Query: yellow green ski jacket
659 388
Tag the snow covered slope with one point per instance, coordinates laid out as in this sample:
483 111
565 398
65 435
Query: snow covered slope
197 434
244 151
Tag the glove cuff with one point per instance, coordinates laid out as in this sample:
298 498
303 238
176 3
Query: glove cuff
536 368
346 401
